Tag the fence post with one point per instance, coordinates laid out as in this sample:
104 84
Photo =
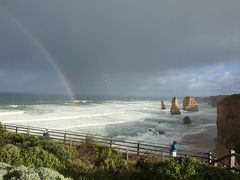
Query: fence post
232 159
111 142
64 137
127 154
70 142
210 157
16 130
138 148
28 130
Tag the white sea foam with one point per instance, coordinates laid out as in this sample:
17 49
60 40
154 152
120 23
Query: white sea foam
129 119
7 113
14 106
94 124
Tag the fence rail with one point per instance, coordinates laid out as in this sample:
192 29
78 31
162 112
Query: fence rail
230 161
125 146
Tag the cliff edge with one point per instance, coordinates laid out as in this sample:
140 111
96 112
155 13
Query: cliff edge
228 120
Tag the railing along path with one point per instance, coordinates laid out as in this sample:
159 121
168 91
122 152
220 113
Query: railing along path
125 146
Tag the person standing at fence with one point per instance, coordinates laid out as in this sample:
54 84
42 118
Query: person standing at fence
174 149
46 133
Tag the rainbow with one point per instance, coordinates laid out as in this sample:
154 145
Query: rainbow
47 54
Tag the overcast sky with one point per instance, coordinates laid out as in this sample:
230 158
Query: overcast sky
120 47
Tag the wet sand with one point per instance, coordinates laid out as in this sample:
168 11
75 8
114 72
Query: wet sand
205 140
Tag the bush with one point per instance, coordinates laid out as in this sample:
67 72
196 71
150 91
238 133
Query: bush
184 168
110 159
25 141
2 131
37 157
60 151
46 173
77 170
22 172
10 154
22 140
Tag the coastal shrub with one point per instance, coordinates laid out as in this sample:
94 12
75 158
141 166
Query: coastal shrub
216 173
26 141
10 154
22 172
60 151
110 159
4 168
78 170
87 151
181 169
46 173
2 131
37 157
22 140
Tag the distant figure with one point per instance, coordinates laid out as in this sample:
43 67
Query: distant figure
46 133
174 149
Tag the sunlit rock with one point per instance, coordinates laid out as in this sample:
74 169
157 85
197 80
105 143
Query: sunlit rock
190 104
175 107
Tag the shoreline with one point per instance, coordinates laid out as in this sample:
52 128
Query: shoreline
205 140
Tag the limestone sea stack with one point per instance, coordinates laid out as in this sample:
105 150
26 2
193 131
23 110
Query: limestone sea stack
190 104
163 105
175 107
228 120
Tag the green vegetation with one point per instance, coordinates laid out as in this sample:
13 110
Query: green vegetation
30 157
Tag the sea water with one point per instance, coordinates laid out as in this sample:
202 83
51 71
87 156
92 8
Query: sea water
126 118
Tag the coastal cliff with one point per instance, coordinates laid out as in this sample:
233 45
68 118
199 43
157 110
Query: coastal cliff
211 100
190 104
214 100
228 120
175 107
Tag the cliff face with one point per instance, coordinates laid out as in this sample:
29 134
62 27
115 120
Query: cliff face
175 107
211 100
190 104
214 100
228 120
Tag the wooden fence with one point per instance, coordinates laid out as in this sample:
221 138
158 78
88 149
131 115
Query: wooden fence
230 161
125 146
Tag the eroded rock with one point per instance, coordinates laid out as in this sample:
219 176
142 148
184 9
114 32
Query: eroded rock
190 104
175 107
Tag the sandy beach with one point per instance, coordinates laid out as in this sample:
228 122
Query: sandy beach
205 140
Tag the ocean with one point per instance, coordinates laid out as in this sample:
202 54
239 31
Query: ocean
127 118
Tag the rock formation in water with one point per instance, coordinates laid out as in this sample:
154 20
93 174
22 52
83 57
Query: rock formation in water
228 120
175 107
163 105
190 104
187 120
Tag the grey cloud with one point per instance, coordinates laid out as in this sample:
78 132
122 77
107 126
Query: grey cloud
129 43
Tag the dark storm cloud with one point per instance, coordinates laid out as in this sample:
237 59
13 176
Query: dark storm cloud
128 43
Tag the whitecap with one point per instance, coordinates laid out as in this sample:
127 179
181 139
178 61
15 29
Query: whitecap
14 106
